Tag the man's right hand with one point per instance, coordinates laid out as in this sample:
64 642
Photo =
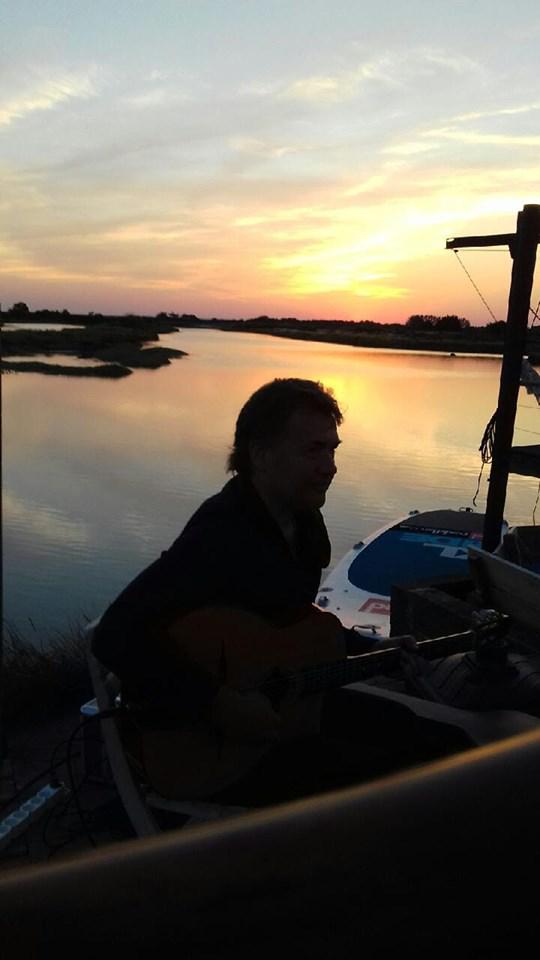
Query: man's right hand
245 717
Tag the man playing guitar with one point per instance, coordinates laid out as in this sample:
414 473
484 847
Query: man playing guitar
195 634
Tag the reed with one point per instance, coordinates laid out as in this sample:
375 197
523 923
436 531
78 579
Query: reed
43 677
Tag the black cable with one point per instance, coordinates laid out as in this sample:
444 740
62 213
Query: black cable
52 767
72 831
55 815
74 789
101 715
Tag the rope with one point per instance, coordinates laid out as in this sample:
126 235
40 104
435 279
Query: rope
486 450
483 299
535 506
523 430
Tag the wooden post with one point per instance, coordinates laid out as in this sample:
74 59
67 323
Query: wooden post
523 250
2 734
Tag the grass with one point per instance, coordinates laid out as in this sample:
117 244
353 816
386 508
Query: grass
43 679
111 370
120 349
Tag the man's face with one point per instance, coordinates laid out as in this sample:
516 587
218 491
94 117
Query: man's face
300 465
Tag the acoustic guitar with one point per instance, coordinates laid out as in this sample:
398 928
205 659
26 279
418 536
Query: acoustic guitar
290 665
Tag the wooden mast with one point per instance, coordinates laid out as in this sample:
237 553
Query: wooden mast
523 245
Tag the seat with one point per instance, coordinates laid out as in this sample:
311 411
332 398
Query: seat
140 802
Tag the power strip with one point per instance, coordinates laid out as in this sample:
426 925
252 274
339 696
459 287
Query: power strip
29 812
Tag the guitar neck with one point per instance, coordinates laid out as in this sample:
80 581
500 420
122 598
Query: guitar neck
325 676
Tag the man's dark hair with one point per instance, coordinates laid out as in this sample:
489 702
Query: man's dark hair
264 416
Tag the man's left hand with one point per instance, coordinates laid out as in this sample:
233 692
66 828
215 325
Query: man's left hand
406 642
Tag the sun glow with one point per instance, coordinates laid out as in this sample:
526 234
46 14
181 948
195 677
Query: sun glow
156 165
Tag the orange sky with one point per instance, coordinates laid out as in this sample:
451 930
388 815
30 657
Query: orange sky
236 159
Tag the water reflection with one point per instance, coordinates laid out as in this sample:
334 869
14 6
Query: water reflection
100 476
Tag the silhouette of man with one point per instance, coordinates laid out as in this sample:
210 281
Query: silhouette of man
259 546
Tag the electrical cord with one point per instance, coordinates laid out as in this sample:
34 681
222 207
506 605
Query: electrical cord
54 765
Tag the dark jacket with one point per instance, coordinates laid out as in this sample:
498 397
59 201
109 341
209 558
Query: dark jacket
231 553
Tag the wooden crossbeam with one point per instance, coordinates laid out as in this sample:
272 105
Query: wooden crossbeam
495 240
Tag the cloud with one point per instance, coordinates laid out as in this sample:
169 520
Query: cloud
322 88
48 93
409 149
475 136
501 112
261 148
166 94
395 69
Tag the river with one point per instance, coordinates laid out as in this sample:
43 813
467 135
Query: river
101 475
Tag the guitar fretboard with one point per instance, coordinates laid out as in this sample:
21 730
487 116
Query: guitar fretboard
325 676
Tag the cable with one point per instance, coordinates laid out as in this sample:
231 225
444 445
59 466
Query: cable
535 506
523 430
101 715
483 299
53 766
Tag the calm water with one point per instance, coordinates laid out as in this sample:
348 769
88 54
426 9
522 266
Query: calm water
100 476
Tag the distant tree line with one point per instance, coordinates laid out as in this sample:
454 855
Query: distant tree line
21 310
424 326
448 324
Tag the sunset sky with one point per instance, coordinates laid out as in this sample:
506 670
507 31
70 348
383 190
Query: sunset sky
283 157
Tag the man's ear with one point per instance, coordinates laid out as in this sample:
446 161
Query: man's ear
259 457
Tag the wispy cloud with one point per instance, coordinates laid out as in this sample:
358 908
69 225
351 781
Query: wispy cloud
48 93
202 169
395 69
409 149
475 136
262 148
501 112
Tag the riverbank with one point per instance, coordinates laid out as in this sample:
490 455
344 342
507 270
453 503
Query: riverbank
119 344
122 342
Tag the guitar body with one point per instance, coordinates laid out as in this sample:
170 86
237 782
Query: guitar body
241 651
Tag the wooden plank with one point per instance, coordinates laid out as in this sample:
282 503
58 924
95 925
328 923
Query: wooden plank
495 240
509 588
525 460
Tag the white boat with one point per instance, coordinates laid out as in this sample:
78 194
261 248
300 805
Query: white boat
418 547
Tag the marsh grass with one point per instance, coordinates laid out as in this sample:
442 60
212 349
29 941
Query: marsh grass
42 678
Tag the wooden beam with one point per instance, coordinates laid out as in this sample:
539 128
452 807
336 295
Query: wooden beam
526 460
495 240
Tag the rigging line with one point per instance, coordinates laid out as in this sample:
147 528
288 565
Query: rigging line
535 506
483 299
534 314
523 430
